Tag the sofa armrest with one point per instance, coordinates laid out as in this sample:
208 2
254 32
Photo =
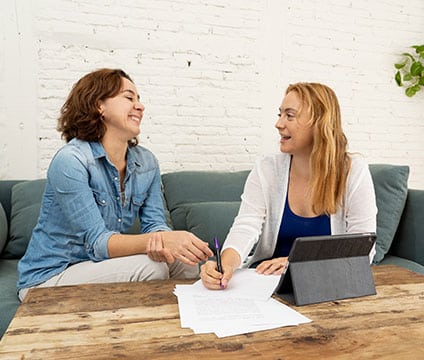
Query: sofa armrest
408 242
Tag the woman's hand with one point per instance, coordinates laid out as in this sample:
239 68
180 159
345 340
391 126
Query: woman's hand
156 251
275 266
168 246
212 278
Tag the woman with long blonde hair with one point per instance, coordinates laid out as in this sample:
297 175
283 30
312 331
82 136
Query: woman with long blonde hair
312 187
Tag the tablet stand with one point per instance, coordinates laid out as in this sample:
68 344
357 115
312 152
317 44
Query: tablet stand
308 282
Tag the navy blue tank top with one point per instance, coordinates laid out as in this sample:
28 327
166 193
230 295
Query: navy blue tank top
293 226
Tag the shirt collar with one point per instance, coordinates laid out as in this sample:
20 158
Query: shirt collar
99 152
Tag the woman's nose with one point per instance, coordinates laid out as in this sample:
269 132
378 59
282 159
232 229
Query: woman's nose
280 122
139 106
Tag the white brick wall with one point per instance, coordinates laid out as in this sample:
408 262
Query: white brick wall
211 74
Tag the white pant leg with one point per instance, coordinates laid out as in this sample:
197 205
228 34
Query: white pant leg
119 269
179 270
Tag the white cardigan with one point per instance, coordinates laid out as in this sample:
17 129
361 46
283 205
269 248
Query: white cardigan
263 201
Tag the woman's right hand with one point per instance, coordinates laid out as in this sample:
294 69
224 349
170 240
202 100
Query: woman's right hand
212 279
168 246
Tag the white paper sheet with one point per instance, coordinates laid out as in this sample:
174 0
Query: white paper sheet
245 306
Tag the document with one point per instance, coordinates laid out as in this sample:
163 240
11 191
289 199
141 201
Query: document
245 306
245 283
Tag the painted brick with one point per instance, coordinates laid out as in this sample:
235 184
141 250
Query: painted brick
212 74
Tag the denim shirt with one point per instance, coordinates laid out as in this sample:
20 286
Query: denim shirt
82 206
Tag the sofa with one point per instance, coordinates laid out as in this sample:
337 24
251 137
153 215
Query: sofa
205 203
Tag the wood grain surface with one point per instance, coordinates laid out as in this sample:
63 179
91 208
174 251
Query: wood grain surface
141 321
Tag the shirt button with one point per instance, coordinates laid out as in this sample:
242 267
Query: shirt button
117 198
119 220
115 178
103 201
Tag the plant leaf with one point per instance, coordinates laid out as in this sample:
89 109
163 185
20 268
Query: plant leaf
409 55
416 68
421 81
418 48
398 79
410 91
407 77
400 66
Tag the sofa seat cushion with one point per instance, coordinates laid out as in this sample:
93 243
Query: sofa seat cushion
391 189
26 201
405 263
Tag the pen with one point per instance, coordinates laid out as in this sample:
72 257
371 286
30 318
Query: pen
218 255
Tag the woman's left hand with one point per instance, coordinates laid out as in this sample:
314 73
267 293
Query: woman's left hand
156 250
275 266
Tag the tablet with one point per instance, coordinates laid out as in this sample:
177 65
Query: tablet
327 268
331 246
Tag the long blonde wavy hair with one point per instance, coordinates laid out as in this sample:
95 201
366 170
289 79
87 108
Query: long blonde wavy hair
329 162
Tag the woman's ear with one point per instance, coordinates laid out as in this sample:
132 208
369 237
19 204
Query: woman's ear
100 107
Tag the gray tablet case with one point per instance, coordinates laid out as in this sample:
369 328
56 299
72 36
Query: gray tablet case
327 268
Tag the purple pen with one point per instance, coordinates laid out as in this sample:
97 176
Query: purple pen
218 254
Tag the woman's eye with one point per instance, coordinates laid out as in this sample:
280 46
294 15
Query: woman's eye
129 98
279 115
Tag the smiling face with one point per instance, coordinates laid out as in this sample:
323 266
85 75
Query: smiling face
122 113
294 126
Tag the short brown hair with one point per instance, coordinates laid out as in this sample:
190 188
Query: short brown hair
80 116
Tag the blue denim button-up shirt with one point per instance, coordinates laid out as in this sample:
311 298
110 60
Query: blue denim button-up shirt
82 207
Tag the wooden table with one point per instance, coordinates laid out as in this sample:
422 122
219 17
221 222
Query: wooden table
141 321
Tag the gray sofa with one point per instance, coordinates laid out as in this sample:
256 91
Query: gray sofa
206 204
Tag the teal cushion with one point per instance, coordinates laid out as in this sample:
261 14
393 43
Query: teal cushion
391 189
409 239
9 301
26 202
3 228
402 262
190 187
209 219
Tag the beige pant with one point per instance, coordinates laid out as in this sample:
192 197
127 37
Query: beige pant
120 269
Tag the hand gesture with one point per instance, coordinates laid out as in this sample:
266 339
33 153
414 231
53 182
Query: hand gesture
168 246
212 278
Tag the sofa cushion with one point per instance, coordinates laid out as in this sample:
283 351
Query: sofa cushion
9 301
391 189
405 263
26 202
3 228
191 187
209 219
409 239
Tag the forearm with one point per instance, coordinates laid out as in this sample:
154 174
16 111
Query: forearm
126 245
230 258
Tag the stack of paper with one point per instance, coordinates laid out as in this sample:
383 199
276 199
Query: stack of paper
245 306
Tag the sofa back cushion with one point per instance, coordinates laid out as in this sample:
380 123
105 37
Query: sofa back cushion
204 202
26 201
391 190
4 228
409 239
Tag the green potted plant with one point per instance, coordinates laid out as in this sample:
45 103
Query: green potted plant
410 72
